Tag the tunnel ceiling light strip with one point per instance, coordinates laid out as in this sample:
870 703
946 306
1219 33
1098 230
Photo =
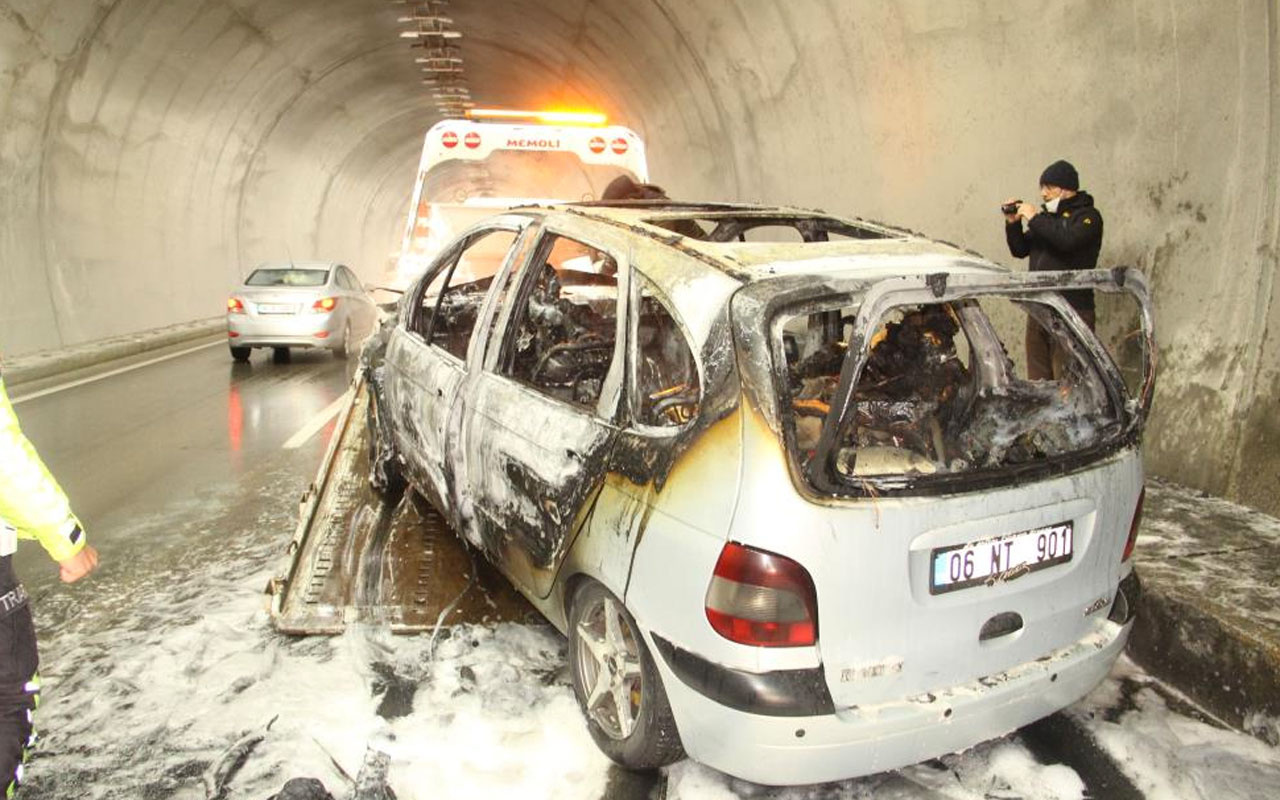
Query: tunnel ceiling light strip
429 34
549 117
429 29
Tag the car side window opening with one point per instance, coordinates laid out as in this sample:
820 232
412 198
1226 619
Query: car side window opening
450 302
561 337
940 393
668 388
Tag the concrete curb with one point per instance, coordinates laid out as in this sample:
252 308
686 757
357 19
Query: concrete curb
1209 618
1228 670
33 367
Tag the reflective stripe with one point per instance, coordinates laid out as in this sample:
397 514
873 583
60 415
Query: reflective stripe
8 539
31 686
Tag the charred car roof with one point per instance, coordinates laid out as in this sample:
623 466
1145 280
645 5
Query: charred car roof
844 248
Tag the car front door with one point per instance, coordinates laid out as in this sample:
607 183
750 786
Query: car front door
536 424
426 358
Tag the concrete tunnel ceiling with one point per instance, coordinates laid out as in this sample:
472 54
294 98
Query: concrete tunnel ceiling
152 150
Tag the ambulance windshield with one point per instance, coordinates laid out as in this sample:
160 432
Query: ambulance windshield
541 174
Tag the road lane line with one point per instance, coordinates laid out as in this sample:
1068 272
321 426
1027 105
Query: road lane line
73 384
317 422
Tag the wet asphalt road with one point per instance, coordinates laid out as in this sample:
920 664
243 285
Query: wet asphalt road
191 427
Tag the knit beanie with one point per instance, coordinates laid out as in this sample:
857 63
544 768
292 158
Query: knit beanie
1061 174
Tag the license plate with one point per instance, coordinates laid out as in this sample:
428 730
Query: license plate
1000 559
276 308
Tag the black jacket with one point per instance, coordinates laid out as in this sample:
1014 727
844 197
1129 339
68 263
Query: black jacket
1068 239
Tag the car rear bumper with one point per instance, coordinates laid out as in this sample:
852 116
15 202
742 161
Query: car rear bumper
790 750
285 330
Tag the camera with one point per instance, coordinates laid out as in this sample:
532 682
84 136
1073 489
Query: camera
1010 208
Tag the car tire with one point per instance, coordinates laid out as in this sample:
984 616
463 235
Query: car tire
280 355
610 665
241 354
344 344
385 475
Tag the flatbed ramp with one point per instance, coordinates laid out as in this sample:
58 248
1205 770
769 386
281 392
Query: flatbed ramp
357 556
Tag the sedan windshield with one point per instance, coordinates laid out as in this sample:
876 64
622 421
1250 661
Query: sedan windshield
288 276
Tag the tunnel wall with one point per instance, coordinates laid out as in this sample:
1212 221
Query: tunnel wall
151 150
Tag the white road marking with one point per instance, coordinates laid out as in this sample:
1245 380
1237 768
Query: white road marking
317 422
73 384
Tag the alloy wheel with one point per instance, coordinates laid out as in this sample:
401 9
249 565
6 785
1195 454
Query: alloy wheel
609 662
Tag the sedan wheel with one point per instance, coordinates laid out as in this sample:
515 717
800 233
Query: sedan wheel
617 685
240 353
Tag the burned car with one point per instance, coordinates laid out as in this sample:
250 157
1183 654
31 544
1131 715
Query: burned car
780 477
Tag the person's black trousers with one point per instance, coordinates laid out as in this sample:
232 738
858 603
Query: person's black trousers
19 684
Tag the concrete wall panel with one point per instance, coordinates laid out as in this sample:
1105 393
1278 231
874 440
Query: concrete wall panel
150 151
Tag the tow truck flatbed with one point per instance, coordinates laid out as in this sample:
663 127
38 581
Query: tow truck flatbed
359 557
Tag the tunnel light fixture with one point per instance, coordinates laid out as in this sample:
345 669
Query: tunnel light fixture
427 19
427 34
547 117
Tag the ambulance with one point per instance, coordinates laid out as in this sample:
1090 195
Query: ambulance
496 159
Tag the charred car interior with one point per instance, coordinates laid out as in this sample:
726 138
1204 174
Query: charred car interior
939 392
562 337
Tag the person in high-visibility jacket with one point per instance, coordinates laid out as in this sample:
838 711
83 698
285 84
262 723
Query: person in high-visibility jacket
32 506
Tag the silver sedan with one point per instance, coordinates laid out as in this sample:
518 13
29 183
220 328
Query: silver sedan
299 304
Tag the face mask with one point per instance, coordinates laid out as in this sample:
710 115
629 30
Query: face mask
1052 205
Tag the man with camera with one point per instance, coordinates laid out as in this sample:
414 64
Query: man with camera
1063 234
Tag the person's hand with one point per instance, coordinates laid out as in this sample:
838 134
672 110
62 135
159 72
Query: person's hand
1027 211
1011 201
79 565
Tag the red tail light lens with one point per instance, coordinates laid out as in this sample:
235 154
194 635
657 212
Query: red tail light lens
234 305
1133 527
762 599
325 304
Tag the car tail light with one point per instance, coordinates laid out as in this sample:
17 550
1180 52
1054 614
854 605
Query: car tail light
324 304
762 599
235 305
1133 527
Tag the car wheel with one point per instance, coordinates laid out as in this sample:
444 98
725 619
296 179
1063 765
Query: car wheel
280 355
617 684
241 354
385 475
344 344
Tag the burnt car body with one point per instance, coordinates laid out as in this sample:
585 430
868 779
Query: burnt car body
780 477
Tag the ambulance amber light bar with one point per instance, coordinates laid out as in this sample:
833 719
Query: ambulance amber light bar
549 117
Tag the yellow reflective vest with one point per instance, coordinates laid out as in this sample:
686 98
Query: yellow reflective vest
31 501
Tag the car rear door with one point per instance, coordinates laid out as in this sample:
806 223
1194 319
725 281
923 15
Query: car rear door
536 425
427 355
970 526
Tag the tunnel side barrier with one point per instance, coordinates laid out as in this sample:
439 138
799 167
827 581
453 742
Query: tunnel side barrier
47 363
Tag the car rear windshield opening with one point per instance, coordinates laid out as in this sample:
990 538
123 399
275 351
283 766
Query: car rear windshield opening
946 390
288 277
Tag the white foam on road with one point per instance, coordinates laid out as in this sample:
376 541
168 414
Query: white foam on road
1170 755
155 667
